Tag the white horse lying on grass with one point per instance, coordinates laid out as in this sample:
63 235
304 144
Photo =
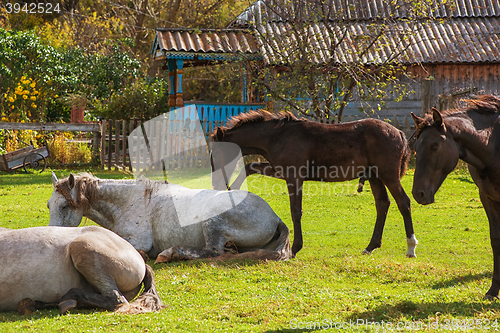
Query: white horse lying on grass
72 267
172 222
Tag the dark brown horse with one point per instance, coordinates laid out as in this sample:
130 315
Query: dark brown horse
300 150
471 134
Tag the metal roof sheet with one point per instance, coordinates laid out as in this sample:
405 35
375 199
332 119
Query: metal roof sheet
470 33
438 41
191 41
262 11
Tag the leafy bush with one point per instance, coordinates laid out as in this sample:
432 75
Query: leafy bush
11 140
34 75
143 99
64 152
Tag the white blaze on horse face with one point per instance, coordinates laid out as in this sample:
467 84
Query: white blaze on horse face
61 213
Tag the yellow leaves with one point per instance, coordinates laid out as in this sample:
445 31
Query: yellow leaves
20 108
57 34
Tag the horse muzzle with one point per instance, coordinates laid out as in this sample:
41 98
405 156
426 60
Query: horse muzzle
423 197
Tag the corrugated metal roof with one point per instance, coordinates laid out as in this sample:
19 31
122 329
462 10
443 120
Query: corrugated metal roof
470 33
264 11
206 41
448 41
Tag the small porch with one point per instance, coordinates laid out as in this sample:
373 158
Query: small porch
178 48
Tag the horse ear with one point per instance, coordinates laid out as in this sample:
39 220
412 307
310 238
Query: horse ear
54 179
436 116
416 119
219 134
71 181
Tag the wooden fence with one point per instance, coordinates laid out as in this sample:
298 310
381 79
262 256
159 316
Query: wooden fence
95 128
172 144
110 140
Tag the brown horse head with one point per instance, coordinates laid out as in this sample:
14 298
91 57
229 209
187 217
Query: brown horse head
437 156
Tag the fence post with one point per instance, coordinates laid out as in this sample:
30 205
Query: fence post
110 143
407 127
103 143
124 143
395 122
426 100
117 144
130 129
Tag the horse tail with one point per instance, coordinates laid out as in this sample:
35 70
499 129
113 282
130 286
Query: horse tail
283 247
148 301
406 155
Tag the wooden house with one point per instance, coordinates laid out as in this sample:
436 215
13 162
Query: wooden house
454 51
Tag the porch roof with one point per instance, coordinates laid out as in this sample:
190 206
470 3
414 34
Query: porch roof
201 46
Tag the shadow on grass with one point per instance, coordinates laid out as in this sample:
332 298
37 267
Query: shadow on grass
232 263
423 311
19 177
466 179
461 280
13 316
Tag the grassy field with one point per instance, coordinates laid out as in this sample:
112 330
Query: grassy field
329 285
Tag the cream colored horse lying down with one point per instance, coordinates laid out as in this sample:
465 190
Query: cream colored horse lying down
172 222
72 267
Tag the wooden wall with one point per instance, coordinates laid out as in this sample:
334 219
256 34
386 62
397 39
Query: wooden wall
445 79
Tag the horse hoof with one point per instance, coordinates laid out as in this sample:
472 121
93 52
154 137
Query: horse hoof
411 255
26 306
490 297
66 306
165 256
365 251
144 255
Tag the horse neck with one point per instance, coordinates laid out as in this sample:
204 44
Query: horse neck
113 195
253 135
472 138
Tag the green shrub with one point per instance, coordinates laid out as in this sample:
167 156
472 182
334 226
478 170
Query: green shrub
143 99
63 151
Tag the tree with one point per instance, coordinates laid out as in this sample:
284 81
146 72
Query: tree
317 57
34 75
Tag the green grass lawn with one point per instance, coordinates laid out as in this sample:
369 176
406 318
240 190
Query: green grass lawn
328 285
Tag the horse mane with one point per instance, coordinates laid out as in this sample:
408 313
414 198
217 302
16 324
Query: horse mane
256 117
484 104
87 193
86 190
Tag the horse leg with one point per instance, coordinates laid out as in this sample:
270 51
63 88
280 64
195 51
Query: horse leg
262 168
492 209
361 184
382 204
215 244
404 206
93 257
27 306
180 253
83 299
295 195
